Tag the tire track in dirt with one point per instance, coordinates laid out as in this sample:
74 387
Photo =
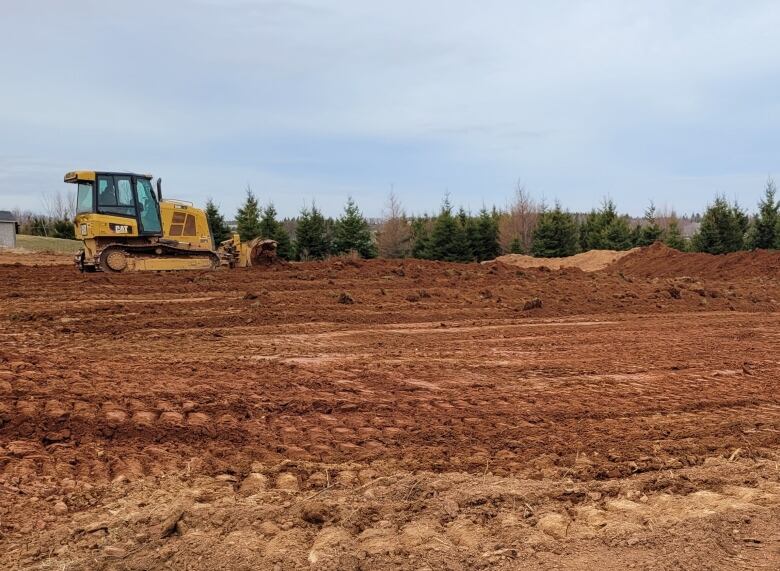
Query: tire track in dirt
381 379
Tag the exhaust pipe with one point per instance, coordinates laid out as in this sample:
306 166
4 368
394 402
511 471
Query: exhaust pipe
159 190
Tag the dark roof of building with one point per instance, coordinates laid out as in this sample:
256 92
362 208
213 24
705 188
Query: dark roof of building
6 216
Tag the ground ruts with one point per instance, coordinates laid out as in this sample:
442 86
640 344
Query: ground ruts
434 367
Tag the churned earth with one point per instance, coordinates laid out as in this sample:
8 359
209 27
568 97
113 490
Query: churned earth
393 414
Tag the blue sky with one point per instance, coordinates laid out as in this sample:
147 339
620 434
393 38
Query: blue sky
664 100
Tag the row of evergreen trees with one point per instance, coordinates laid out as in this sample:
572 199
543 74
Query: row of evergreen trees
460 237
316 237
456 237
558 233
724 227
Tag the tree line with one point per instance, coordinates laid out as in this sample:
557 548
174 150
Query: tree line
724 227
316 237
523 227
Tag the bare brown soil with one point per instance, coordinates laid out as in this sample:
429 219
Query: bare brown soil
24 257
661 261
251 419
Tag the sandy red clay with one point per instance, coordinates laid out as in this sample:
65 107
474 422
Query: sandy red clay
247 419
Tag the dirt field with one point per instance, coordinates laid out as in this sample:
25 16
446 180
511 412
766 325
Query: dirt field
24 257
392 415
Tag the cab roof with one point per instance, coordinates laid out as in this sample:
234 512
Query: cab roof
75 176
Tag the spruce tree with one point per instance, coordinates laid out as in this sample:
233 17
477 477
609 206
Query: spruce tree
330 233
421 238
556 234
743 221
220 231
352 233
590 231
617 235
272 229
777 234
311 235
765 230
461 247
636 234
248 217
463 218
722 228
673 236
650 231
603 229
484 243
448 238
469 224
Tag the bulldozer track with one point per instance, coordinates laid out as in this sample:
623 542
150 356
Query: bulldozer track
158 250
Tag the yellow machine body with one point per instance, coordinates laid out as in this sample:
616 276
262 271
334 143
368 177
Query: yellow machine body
125 226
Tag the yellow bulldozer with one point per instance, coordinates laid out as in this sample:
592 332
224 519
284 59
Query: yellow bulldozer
125 226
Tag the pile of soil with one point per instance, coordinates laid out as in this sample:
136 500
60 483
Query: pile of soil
662 261
590 261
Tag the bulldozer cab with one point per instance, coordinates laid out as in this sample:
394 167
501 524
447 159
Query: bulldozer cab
119 195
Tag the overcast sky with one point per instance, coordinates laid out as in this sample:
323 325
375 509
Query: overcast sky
666 100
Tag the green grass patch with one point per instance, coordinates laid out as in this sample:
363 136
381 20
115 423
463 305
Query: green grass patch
43 244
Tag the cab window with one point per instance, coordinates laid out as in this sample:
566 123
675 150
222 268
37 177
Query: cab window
124 191
115 195
147 206
85 200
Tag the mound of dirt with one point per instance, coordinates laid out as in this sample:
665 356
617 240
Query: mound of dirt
590 261
660 260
